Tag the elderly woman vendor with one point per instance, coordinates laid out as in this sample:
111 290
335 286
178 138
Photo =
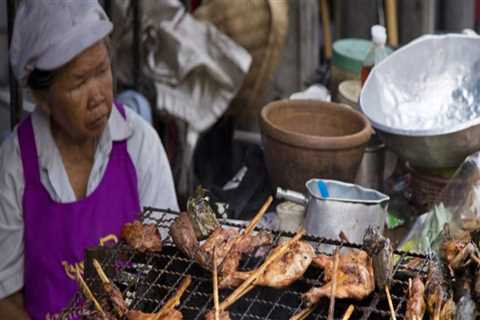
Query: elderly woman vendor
75 170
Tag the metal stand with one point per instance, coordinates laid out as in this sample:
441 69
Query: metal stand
15 90
137 41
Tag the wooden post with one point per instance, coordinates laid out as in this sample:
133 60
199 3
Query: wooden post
458 15
137 41
417 17
392 25
327 32
355 18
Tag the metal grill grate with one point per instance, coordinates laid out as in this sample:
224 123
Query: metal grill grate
148 280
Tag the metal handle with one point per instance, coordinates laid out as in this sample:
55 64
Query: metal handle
290 195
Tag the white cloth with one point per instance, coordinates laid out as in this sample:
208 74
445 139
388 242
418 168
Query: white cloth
196 68
155 183
49 33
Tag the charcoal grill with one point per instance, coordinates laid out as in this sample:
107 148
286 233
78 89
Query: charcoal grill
148 280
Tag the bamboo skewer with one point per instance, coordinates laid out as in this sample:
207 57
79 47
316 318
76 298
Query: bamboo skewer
331 308
390 303
100 272
304 313
215 287
88 293
170 304
253 223
244 287
257 218
349 312
175 300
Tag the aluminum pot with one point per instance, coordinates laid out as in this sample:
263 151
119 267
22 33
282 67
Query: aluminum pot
334 206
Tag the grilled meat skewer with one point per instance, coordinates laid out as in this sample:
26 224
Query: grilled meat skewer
440 306
458 253
286 269
142 237
355 278
416 305
381 252
225 240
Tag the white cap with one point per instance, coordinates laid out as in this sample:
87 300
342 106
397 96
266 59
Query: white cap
49 33
379 34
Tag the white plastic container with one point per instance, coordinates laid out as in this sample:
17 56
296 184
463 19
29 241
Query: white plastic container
290 216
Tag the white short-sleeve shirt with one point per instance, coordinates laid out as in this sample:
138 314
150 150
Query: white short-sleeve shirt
155 182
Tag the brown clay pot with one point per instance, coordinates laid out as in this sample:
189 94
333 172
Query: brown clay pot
306 139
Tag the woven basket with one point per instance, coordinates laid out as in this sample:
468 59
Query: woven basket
425 188
259 26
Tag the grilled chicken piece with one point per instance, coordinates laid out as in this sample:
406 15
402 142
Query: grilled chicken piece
142 237
286 269
223 315
231 259
449 310
438 302
170 315
457 253
228 250
355 279
381 252
416 305
222 239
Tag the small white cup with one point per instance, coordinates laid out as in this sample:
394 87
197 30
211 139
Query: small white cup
290 215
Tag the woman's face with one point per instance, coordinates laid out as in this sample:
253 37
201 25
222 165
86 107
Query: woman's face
80 98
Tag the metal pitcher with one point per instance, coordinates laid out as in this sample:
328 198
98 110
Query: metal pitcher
335 206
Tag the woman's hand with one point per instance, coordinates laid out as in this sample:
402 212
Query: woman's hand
11 308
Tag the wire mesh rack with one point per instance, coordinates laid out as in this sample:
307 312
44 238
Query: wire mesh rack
148 280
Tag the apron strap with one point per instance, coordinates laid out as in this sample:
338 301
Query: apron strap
121 109
28 152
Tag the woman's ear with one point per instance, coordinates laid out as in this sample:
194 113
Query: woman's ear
41 100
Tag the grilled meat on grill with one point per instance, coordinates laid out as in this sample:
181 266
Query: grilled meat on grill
142 237
185 240
119 306
438 303
416 305
381 252
355 278
457 253
228 250
286 269
222 239
115 299
170 315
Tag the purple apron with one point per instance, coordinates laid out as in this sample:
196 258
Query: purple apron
58 233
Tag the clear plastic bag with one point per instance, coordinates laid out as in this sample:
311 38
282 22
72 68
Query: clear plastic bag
457 206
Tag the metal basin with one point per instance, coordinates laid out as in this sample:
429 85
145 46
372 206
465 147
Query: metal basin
347 208
424 100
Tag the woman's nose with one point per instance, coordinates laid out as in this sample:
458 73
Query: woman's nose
95 96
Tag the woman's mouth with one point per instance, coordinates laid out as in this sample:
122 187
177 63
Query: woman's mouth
97 123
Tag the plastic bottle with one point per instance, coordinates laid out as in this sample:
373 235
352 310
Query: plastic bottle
377 52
